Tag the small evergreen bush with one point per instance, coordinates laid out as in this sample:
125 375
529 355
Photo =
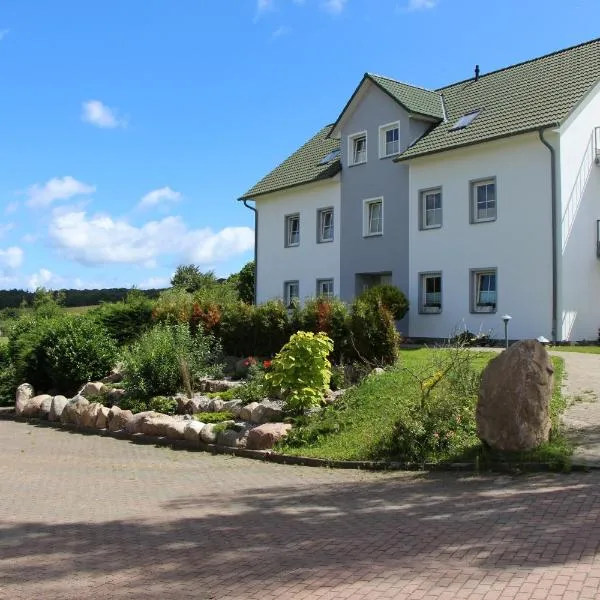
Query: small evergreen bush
7 377
388 296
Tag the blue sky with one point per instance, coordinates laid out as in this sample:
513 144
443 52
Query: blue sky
129 128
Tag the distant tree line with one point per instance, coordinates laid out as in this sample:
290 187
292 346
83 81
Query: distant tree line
18 298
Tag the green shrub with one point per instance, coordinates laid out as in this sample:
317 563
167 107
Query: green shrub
225 395
272 328
60 352
254 389
167 358
127 320
373 332
302 370
164 405
173 307
388 296
236 330
331 316
135 405
7 377
213 417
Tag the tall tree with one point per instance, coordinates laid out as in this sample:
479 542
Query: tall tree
245 283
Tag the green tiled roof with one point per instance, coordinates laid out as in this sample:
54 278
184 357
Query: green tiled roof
415 100
534 94
301 167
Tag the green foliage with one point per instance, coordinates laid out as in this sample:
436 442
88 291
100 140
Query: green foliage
191 279
126 320
7 377
236 329
45 303
213 417
388 296
302 370
173 306
135 405
330 316
245 283
164 405
373 332
168 358
60 352
225 395
254 389
271 328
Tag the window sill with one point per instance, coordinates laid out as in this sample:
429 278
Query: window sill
383 157
324 241
356 164
371 235
483 310
430 227
292 246
476 221
430 311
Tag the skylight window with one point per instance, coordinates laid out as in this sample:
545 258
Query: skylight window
465 120
329 157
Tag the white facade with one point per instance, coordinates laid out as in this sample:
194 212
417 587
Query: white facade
518 244
310 260
579 187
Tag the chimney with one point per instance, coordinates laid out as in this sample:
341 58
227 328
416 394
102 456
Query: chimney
476 72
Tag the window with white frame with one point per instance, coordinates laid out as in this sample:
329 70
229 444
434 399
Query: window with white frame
325 225
484 290
357 148
389 139
431 208
373 217
291 293
292 230
483 200
325 288
430 285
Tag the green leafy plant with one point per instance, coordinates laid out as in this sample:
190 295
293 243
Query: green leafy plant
135 405
302 371
7 377
164 405
213 417
168 358
388 296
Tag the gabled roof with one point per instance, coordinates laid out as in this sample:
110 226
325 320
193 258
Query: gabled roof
415 100
301 167
525 97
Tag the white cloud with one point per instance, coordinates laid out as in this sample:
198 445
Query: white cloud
5 228
57 188
10 259
100 239
100 115
335 7
40 279
153 283
11 208
414 5
263 5
165 194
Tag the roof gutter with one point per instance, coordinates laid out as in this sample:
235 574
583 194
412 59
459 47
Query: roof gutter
555 249
253 209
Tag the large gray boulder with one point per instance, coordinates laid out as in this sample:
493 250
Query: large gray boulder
192 430
216 405
118 419
176 429
200 404
23 396
156 425
246 411
265 436
92 389
513 410
136 423
229 438
45 407
73 410
33 406
208 435
89 415
56 408
102 418
232 406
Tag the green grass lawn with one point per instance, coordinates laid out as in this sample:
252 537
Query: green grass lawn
582 349
367 422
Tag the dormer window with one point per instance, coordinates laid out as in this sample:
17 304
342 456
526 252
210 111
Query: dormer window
389 140
465 120
357 148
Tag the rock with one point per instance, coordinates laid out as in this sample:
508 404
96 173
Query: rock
229 438
207 435
114 396
232 406
73 410
192 430
136 423
216 385
331 397
89 416
118 419
246 411
200 404
116 376
33 406
92 389
45 407
265 436
272 411
183 404
23 396
257 415
176 429
377 371
513 410
57 407
216 405
156 425
102 419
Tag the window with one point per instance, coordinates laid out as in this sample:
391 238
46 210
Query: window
430 296
373 217
325 288
484 296
292 230
483 201
357 148
389 139
333 155
465 120
325 225
291 293
431 208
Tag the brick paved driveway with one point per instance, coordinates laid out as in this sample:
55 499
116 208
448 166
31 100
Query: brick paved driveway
90 517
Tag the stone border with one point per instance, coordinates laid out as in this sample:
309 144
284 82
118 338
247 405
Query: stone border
8 414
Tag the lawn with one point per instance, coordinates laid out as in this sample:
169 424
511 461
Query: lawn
582 349
372 417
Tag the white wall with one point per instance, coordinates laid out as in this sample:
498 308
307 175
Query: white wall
518 243
580 208
307 262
